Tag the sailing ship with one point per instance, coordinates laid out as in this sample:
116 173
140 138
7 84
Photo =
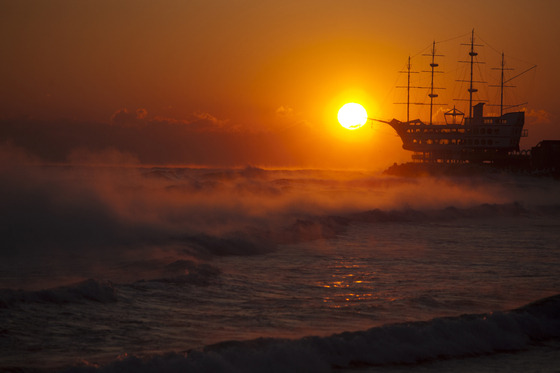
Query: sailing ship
475 138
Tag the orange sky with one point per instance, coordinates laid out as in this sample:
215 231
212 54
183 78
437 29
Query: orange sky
262 80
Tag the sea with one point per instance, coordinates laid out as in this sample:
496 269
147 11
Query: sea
189 269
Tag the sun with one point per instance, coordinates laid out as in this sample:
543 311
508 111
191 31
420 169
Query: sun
352 116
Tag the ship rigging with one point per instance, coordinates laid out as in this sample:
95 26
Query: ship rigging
474 138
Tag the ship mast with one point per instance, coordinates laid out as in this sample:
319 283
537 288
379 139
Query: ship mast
502 68
432 71
503 84
502 88
408 87
472 53
471 80
432 95
408 91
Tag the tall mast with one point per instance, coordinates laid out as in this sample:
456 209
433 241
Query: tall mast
503 83
502 88
432 72
408 87
471 89
408 92
432 95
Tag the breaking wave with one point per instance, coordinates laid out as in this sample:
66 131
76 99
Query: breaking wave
185 272
85 291
107 215
406 343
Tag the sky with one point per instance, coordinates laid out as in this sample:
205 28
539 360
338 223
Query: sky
246 82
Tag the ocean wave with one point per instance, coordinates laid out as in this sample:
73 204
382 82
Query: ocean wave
450 212
315 227
302 228
106 212
406 343
233 243
85 291
185 272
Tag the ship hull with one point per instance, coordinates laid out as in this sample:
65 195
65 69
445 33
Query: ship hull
479 139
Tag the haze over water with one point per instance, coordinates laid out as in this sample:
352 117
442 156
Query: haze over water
101 264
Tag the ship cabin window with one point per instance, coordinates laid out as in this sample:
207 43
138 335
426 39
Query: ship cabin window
488 120
475 131
496 131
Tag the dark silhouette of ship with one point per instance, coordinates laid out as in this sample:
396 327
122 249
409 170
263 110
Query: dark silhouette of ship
475 138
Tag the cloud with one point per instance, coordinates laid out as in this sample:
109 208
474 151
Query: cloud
12 156
209 118
538 116
198 122
284 111
141 113
109 156
134 136
202 139
123 116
